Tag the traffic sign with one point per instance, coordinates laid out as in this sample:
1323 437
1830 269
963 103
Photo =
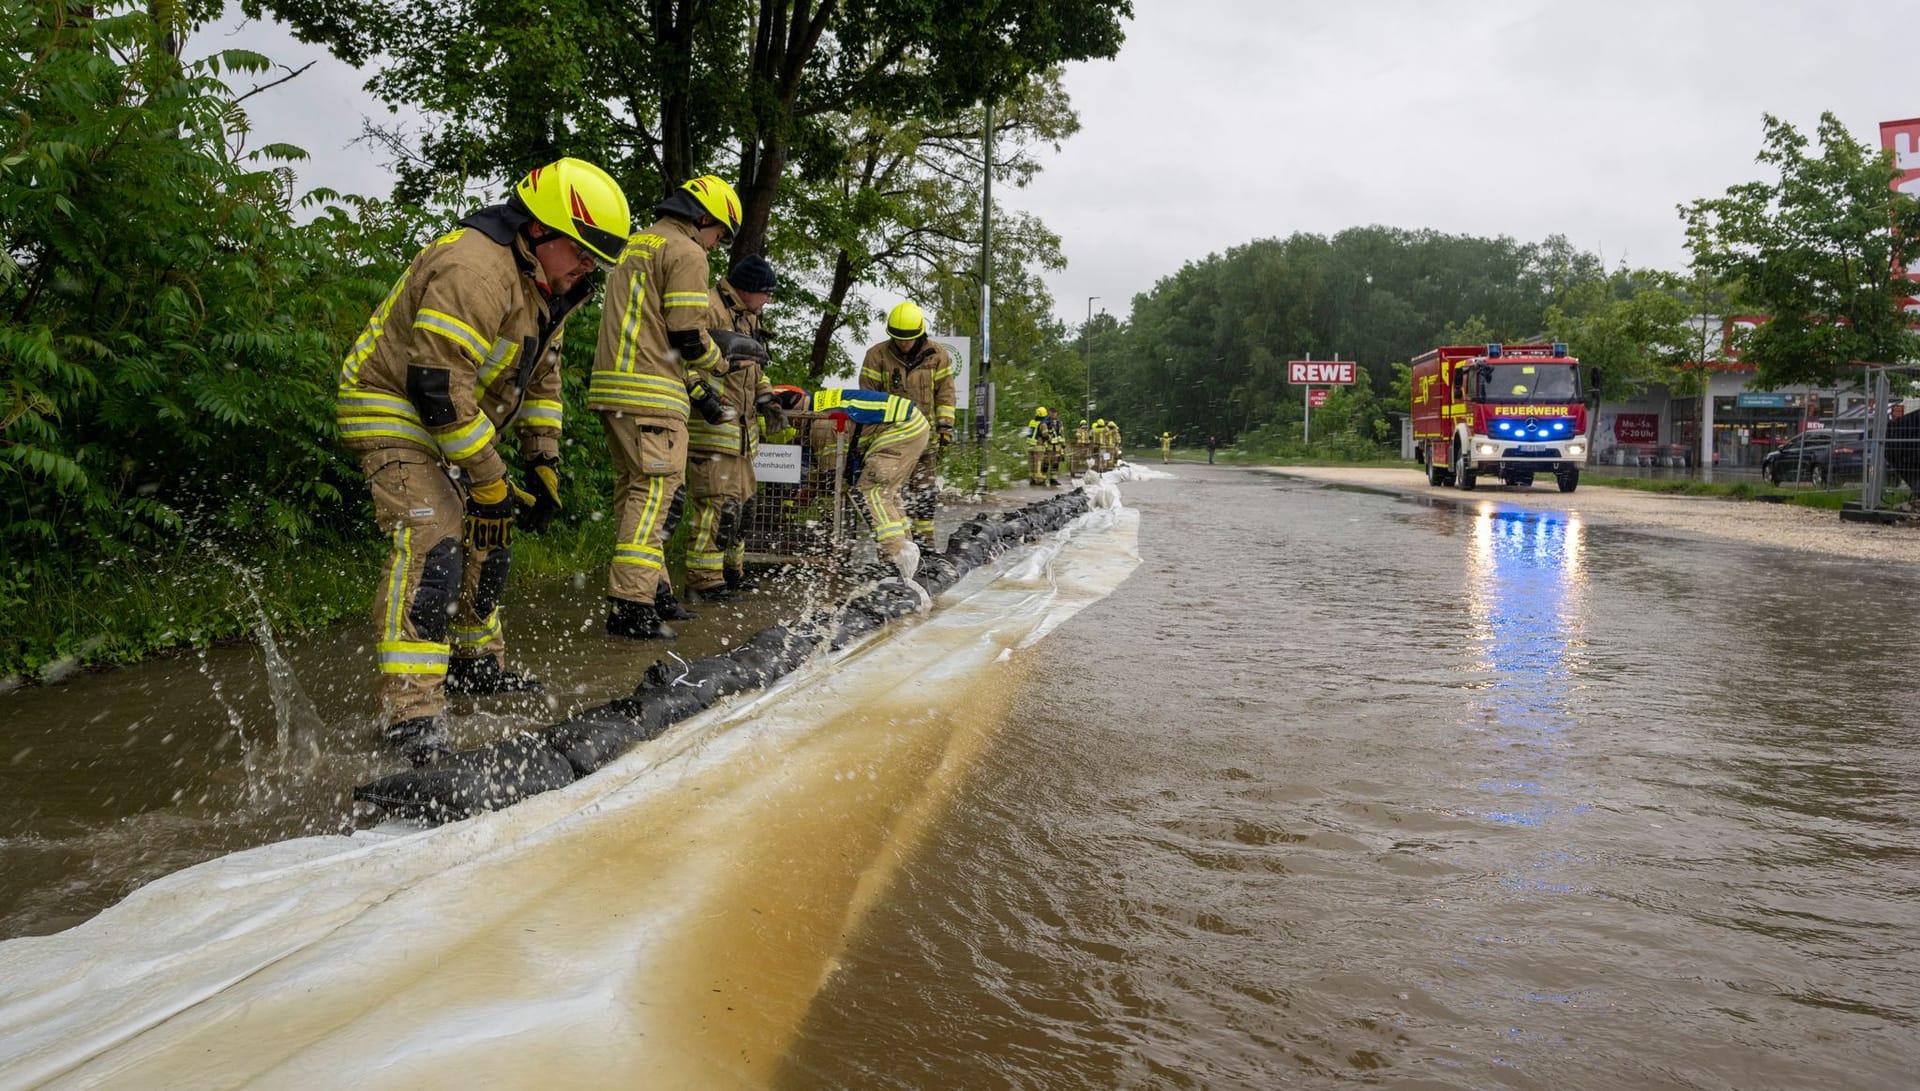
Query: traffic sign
1306 372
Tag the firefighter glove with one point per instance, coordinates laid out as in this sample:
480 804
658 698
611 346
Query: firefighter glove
738 346
489 522
770 409
538 506
713 408
946 437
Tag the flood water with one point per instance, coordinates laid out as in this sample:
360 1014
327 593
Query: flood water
1336 788
1345 788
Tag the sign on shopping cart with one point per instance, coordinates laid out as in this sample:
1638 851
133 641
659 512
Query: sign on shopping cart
777 462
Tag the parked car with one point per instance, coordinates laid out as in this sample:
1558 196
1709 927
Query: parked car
1818 456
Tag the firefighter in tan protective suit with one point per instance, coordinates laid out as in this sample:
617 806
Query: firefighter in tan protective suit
720 484
466 345
919 369
1166 447
890 434
1037 452
655 362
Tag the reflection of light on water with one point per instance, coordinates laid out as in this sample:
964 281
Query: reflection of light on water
1526 592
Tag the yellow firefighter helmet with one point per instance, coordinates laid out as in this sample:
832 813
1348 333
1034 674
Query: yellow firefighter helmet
580 201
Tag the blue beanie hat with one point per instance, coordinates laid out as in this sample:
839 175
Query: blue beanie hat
752 273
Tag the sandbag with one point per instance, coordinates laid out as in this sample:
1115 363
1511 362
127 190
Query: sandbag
490 777
485 778
594 739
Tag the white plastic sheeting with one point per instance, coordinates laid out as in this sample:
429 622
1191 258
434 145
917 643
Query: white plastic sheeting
664 922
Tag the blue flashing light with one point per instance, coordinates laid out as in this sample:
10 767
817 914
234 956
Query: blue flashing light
1506 426
1559 426
1493 352
1559 349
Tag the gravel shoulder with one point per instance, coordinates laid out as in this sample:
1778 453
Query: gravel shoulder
1781 525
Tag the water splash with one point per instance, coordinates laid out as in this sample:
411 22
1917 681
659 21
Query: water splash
297 722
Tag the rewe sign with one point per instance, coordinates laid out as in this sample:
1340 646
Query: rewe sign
1308 372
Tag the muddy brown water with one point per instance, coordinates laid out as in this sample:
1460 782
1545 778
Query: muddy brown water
1338 788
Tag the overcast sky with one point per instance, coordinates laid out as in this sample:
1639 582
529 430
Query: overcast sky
1223 121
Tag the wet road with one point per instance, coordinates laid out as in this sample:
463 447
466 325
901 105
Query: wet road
1336 788
1347 788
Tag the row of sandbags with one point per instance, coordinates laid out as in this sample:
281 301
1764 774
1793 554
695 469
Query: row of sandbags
500 774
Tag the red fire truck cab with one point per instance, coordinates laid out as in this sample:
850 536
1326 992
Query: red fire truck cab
1508 411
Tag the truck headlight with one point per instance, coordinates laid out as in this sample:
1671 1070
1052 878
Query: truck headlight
1486 449
1577 448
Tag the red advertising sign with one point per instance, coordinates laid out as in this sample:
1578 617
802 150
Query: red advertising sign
1636 428
1309 372
1902 138
1317 397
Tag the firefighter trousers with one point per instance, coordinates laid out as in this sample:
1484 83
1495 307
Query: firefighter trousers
921 488
649 475
1036 464
887 465
720 488
437 597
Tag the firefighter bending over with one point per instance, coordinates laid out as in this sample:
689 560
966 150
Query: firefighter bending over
890 433
467 343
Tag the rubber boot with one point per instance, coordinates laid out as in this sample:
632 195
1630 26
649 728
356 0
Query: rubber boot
484 676
637 621
738 583
669 607
421 740
719 592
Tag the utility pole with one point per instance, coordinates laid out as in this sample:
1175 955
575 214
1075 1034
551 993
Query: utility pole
983 388
1086 350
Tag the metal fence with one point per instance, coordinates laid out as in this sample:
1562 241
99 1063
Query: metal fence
809 522
1891 454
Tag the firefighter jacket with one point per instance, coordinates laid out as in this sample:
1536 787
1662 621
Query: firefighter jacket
1036 433
465 344
1056 433
880 420
923 375
653 329
1082 434
743 381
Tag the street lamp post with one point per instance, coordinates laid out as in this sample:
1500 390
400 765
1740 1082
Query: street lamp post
1086 349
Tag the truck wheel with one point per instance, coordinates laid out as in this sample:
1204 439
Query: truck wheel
1568 480
1435 475
1462 476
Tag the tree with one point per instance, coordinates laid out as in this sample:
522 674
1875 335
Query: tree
663 90
1817 250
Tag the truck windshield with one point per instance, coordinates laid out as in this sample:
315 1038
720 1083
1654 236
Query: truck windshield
1531 383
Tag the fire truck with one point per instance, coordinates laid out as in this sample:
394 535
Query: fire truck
1505 411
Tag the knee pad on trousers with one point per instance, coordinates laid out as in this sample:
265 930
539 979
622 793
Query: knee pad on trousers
732 525
492 585
432 609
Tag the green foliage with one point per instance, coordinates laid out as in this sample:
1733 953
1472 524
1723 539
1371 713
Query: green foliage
1206 350
1816 250
172 332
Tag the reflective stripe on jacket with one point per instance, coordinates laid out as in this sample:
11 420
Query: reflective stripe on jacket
884 419
659 287
440 363
924 376
743 382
